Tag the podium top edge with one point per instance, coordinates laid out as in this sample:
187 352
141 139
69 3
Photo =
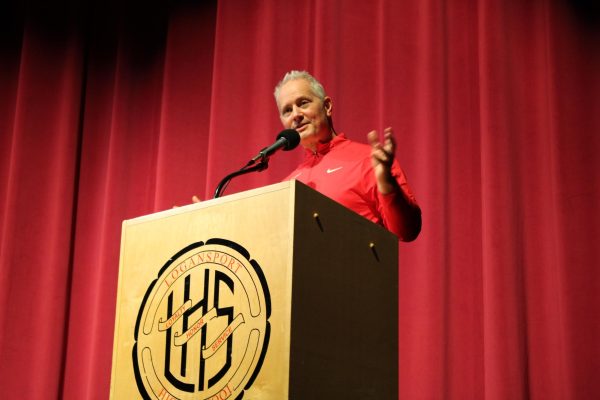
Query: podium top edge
212 202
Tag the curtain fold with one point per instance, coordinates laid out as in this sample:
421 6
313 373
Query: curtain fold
112 111
36 252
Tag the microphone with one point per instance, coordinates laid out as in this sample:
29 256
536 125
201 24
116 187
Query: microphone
287 139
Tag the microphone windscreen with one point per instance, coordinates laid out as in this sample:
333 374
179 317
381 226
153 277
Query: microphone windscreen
292 138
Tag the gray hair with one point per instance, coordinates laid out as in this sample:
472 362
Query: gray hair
315 85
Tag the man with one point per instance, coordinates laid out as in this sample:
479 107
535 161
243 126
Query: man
364 178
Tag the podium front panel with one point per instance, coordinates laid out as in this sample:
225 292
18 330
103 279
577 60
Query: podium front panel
196 288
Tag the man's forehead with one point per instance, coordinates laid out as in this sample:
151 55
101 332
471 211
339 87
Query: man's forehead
294 89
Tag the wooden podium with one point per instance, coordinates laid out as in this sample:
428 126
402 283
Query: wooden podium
274 293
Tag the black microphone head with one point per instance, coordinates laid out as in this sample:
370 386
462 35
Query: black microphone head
292 138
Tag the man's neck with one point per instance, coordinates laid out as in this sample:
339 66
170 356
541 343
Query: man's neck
313 147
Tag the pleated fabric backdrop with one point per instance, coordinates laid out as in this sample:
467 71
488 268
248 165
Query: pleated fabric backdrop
118 109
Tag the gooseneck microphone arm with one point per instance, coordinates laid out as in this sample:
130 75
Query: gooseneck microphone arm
287 139
261 166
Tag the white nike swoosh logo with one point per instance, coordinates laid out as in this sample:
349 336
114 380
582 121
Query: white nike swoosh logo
330 170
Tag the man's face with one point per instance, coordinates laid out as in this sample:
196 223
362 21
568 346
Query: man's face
302 110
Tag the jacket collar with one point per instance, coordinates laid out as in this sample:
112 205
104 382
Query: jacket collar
324 148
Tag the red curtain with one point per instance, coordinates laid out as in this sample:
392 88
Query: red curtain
112 111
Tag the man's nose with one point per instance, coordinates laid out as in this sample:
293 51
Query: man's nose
297 114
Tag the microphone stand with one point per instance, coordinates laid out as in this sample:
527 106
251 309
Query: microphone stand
260 166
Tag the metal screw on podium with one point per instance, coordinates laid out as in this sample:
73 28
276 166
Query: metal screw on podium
374 250
318 220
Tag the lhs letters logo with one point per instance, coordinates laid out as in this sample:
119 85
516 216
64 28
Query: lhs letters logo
203 329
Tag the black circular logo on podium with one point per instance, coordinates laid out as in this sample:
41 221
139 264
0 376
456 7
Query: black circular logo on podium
202 330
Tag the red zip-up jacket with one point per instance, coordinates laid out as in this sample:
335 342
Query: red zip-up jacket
342 170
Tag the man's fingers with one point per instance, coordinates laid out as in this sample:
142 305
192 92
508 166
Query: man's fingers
377 147
373 138
380 155
383 150
389 142
195 199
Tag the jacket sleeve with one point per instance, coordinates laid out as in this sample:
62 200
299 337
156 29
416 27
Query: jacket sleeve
399 210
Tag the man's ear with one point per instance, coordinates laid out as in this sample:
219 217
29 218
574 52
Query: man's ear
328 105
